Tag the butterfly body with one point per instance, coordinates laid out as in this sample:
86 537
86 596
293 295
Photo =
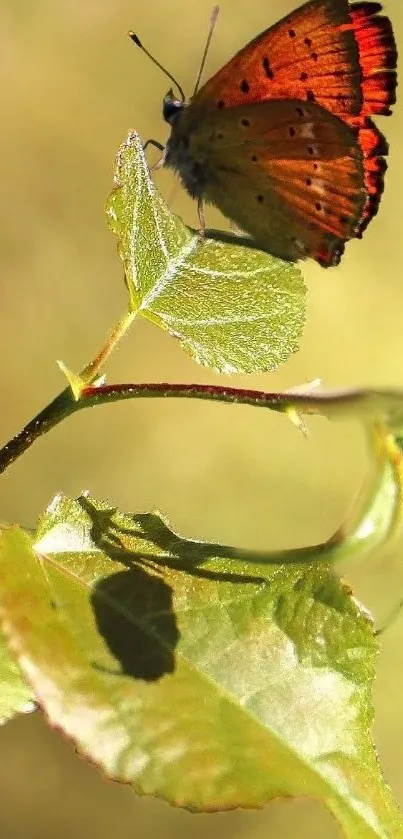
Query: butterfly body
281 139
180 153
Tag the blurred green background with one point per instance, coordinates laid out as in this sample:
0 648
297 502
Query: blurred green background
73 84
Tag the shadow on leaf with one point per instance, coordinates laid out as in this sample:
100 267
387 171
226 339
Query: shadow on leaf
151 543
300 600
134 614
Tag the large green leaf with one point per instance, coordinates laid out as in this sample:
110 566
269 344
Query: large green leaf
191 670
234 308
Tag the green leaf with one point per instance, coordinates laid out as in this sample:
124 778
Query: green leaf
15 695
191 671
234 308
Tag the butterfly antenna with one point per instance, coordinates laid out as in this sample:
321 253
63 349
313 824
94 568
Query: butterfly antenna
213 21
138 43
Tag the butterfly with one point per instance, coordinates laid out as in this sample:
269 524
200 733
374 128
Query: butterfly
282 139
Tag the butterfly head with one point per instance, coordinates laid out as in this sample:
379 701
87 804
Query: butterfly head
171 106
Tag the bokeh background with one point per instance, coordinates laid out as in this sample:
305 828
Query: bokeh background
72 85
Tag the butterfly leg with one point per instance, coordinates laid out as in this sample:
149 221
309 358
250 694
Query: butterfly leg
161 148
200 212
154 143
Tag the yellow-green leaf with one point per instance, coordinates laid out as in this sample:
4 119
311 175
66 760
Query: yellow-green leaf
233 307
193 673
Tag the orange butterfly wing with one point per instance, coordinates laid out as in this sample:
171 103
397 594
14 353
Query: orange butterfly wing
287 172
339 55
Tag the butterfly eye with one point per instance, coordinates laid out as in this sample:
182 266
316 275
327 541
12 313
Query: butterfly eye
170 107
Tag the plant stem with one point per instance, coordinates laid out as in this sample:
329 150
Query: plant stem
352 404
92 370
57 410
65 405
